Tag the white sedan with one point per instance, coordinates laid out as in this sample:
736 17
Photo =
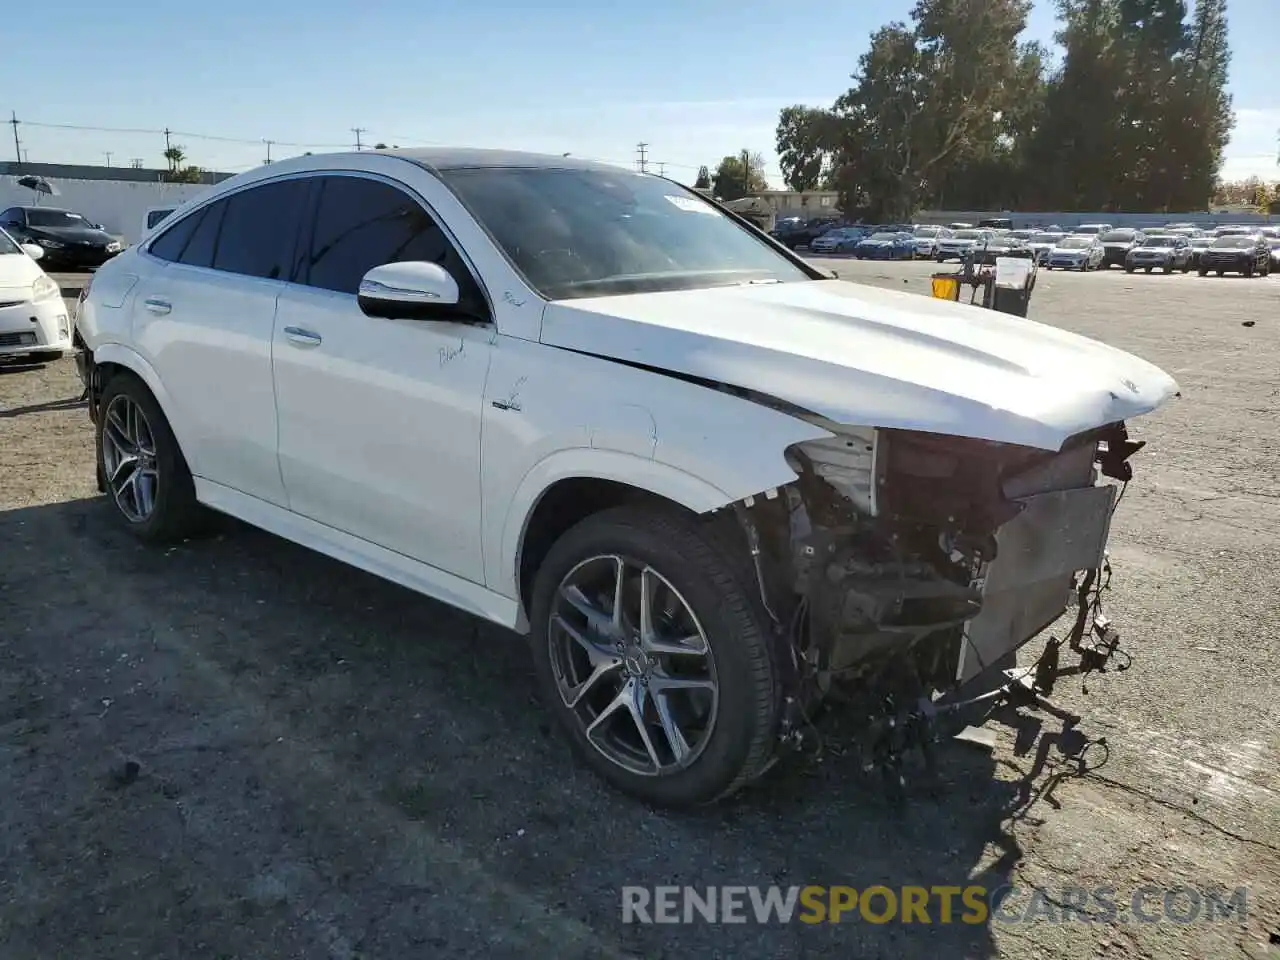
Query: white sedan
33 315
709 482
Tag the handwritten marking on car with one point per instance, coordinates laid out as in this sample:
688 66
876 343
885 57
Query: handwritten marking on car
509 297
449 354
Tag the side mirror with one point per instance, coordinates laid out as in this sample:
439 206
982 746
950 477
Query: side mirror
412 290
34 251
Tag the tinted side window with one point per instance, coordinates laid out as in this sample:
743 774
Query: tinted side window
200 248
258 230
170 244
361 224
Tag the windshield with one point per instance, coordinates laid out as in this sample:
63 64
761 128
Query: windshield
1158 242
968 235
1234 243
7 244
884 236
54 218
583 233
1075 243
1047 237
1119 236
926 231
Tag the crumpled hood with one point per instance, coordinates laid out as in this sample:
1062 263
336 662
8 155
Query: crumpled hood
861 355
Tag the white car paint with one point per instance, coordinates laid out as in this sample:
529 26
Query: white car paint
33 315
417 450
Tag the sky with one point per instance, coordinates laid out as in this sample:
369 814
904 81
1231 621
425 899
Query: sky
694 80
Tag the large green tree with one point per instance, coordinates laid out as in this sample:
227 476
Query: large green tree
952 110
739 176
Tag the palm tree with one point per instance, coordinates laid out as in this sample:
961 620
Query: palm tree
175 155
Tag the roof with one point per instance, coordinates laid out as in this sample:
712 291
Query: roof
459 158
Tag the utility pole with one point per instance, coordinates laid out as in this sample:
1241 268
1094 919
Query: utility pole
17 144
357 131
167 145
662 169
268 143
642 150
107 154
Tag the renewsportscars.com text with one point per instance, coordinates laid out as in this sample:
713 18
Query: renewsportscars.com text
931 905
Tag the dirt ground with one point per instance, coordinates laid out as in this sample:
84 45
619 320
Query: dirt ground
329 766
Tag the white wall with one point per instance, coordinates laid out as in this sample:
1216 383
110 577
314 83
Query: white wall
116 204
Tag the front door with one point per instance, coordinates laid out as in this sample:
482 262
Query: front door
379 420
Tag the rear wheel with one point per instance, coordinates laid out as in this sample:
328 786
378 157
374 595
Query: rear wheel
1128 268
650 648
1204 272
141 465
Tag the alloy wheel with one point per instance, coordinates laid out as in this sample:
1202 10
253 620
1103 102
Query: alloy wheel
129 458
632 665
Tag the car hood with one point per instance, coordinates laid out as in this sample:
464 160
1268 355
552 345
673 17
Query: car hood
1071 251
17 273
1160 249
69 234
860 355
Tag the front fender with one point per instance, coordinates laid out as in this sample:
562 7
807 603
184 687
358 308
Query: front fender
641 472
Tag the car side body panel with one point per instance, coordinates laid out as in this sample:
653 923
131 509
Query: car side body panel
553 414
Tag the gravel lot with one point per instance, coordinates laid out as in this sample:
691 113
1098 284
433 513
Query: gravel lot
330 766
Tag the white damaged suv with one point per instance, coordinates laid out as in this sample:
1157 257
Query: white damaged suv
710 483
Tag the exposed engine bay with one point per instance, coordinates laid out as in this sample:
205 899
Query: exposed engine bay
901 565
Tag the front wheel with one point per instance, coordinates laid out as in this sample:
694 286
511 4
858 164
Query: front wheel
650 648
141 465
1128 268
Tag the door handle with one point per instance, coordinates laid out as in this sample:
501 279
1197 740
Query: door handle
303 338
157 305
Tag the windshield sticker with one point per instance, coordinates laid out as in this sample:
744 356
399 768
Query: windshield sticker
690 205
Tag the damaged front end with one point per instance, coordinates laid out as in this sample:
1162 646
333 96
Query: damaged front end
903 566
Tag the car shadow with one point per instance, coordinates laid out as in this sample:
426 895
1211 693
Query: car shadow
71 403
21 366
434 715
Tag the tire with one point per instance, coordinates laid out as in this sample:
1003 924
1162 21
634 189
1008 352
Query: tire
1203 272
174 513
1221 273
721 594
1128 268
1168 268
1186 267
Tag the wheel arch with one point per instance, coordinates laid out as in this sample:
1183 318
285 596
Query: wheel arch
568 486
111 357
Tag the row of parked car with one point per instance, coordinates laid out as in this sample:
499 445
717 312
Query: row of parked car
1241 248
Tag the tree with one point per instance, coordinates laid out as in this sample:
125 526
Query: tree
926 95
175 156
704 179
740 176
803 144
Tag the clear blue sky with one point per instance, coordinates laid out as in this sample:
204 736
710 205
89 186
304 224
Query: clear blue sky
696 80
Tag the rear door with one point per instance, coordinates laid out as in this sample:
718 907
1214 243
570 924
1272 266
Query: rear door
204 317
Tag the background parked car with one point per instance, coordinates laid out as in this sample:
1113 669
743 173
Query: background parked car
996 223
1000 245
807 232
839 240
1081 253
1274 243
1249 255
927 237
68 239
1167 252
33 316
1116 245
1091 229
957 245
1199 244
886 246
1043 242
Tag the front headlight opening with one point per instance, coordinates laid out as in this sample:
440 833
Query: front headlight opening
45 289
